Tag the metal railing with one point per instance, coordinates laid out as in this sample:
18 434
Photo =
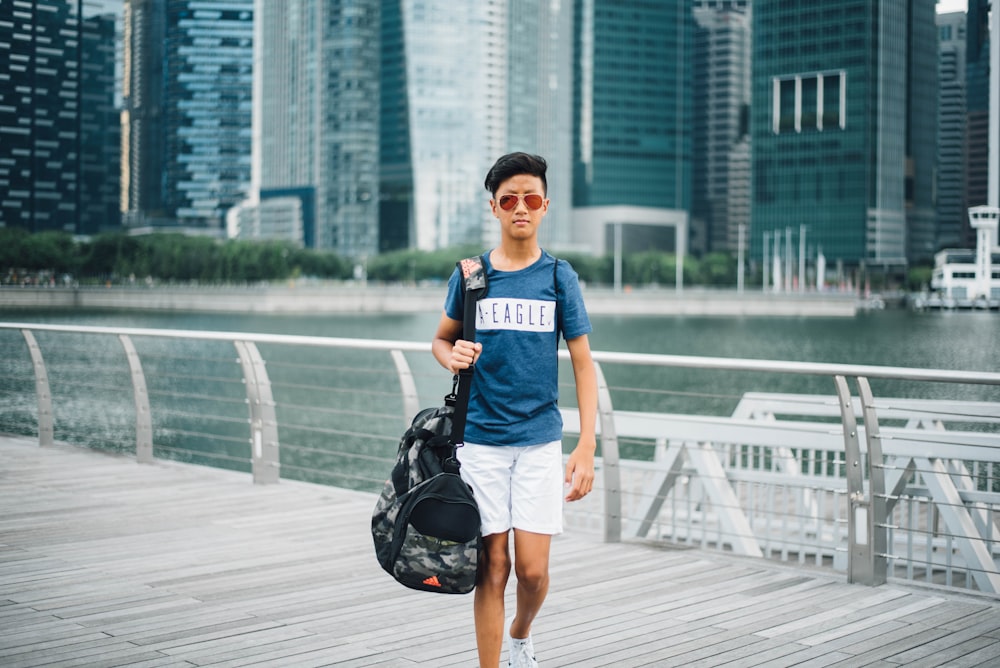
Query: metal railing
905 483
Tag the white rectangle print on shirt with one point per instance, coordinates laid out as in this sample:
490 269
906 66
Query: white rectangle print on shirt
524 315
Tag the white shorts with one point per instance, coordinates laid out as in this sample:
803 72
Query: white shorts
517 487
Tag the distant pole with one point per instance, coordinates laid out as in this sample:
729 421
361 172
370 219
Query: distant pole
739 257
788 259
766 260
802 258
776 261
618 257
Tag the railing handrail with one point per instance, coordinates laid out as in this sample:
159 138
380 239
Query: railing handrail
644 359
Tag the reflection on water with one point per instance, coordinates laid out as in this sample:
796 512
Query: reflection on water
340 413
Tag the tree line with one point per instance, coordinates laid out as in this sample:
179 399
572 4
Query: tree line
57 257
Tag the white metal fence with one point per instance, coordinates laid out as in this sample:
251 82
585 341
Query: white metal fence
710 452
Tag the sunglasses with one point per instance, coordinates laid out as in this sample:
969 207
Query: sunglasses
533 201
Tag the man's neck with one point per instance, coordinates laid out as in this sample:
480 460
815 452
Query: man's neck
513 255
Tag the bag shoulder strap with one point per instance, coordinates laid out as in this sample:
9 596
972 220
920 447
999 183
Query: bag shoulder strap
476 284
474 277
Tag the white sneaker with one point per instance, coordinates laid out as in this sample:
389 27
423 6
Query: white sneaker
521 652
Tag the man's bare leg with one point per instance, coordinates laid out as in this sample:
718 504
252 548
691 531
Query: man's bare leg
488 605
531 566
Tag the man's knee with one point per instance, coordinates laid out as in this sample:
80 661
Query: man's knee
495 565
533 575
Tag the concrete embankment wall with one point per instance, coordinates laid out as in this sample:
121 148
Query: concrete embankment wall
397 299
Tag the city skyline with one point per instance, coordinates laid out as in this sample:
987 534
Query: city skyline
645 116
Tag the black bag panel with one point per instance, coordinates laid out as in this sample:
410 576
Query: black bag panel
445 509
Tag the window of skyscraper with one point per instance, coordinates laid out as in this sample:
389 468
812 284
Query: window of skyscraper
809 102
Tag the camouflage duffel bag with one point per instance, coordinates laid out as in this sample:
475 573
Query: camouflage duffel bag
426 524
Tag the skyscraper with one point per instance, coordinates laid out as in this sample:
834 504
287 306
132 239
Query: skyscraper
186 123
833 117
444 118
316 119
463 83
921 131
40 116
977 101
539 114
632 115
100 126
720 123
952 230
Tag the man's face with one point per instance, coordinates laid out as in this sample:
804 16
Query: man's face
521 221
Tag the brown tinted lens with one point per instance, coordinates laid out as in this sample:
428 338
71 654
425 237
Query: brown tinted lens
508 202
533 201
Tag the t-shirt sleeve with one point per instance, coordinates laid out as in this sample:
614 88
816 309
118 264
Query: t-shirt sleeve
575 321
454 302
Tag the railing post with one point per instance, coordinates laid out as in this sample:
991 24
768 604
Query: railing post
46 422
411 403
143 416
878 517
264 450
860 548
609 455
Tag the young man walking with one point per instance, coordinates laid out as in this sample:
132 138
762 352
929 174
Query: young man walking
512 457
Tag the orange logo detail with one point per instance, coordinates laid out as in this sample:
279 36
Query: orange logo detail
432 581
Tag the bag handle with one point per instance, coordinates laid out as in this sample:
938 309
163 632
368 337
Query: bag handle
474 279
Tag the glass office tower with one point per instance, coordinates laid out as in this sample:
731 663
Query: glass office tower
832 121
632 116
462 84
978 101
316 119
186 126
632 103
444 119
100 126
952 226
720 124
39 116
921 131
539 106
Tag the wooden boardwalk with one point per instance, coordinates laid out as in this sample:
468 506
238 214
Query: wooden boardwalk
105 562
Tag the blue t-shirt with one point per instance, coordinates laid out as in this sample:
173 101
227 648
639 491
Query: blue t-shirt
515 387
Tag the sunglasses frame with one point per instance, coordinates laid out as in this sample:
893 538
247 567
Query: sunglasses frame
519 198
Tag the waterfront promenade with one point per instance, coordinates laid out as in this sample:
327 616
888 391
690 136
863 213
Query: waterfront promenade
345 298
106 562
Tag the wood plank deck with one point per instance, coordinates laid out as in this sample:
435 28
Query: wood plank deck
105 562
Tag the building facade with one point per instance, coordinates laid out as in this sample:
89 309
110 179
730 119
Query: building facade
100 125
316 119
922 94
188 75
834 125
977 102
40 116
632 113
539 110
952 215
720 124
444 119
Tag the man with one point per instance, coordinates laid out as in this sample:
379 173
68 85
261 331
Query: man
512 457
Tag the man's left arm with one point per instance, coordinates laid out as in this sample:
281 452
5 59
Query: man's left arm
580 467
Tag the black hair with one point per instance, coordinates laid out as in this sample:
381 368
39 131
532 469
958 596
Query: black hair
515 164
